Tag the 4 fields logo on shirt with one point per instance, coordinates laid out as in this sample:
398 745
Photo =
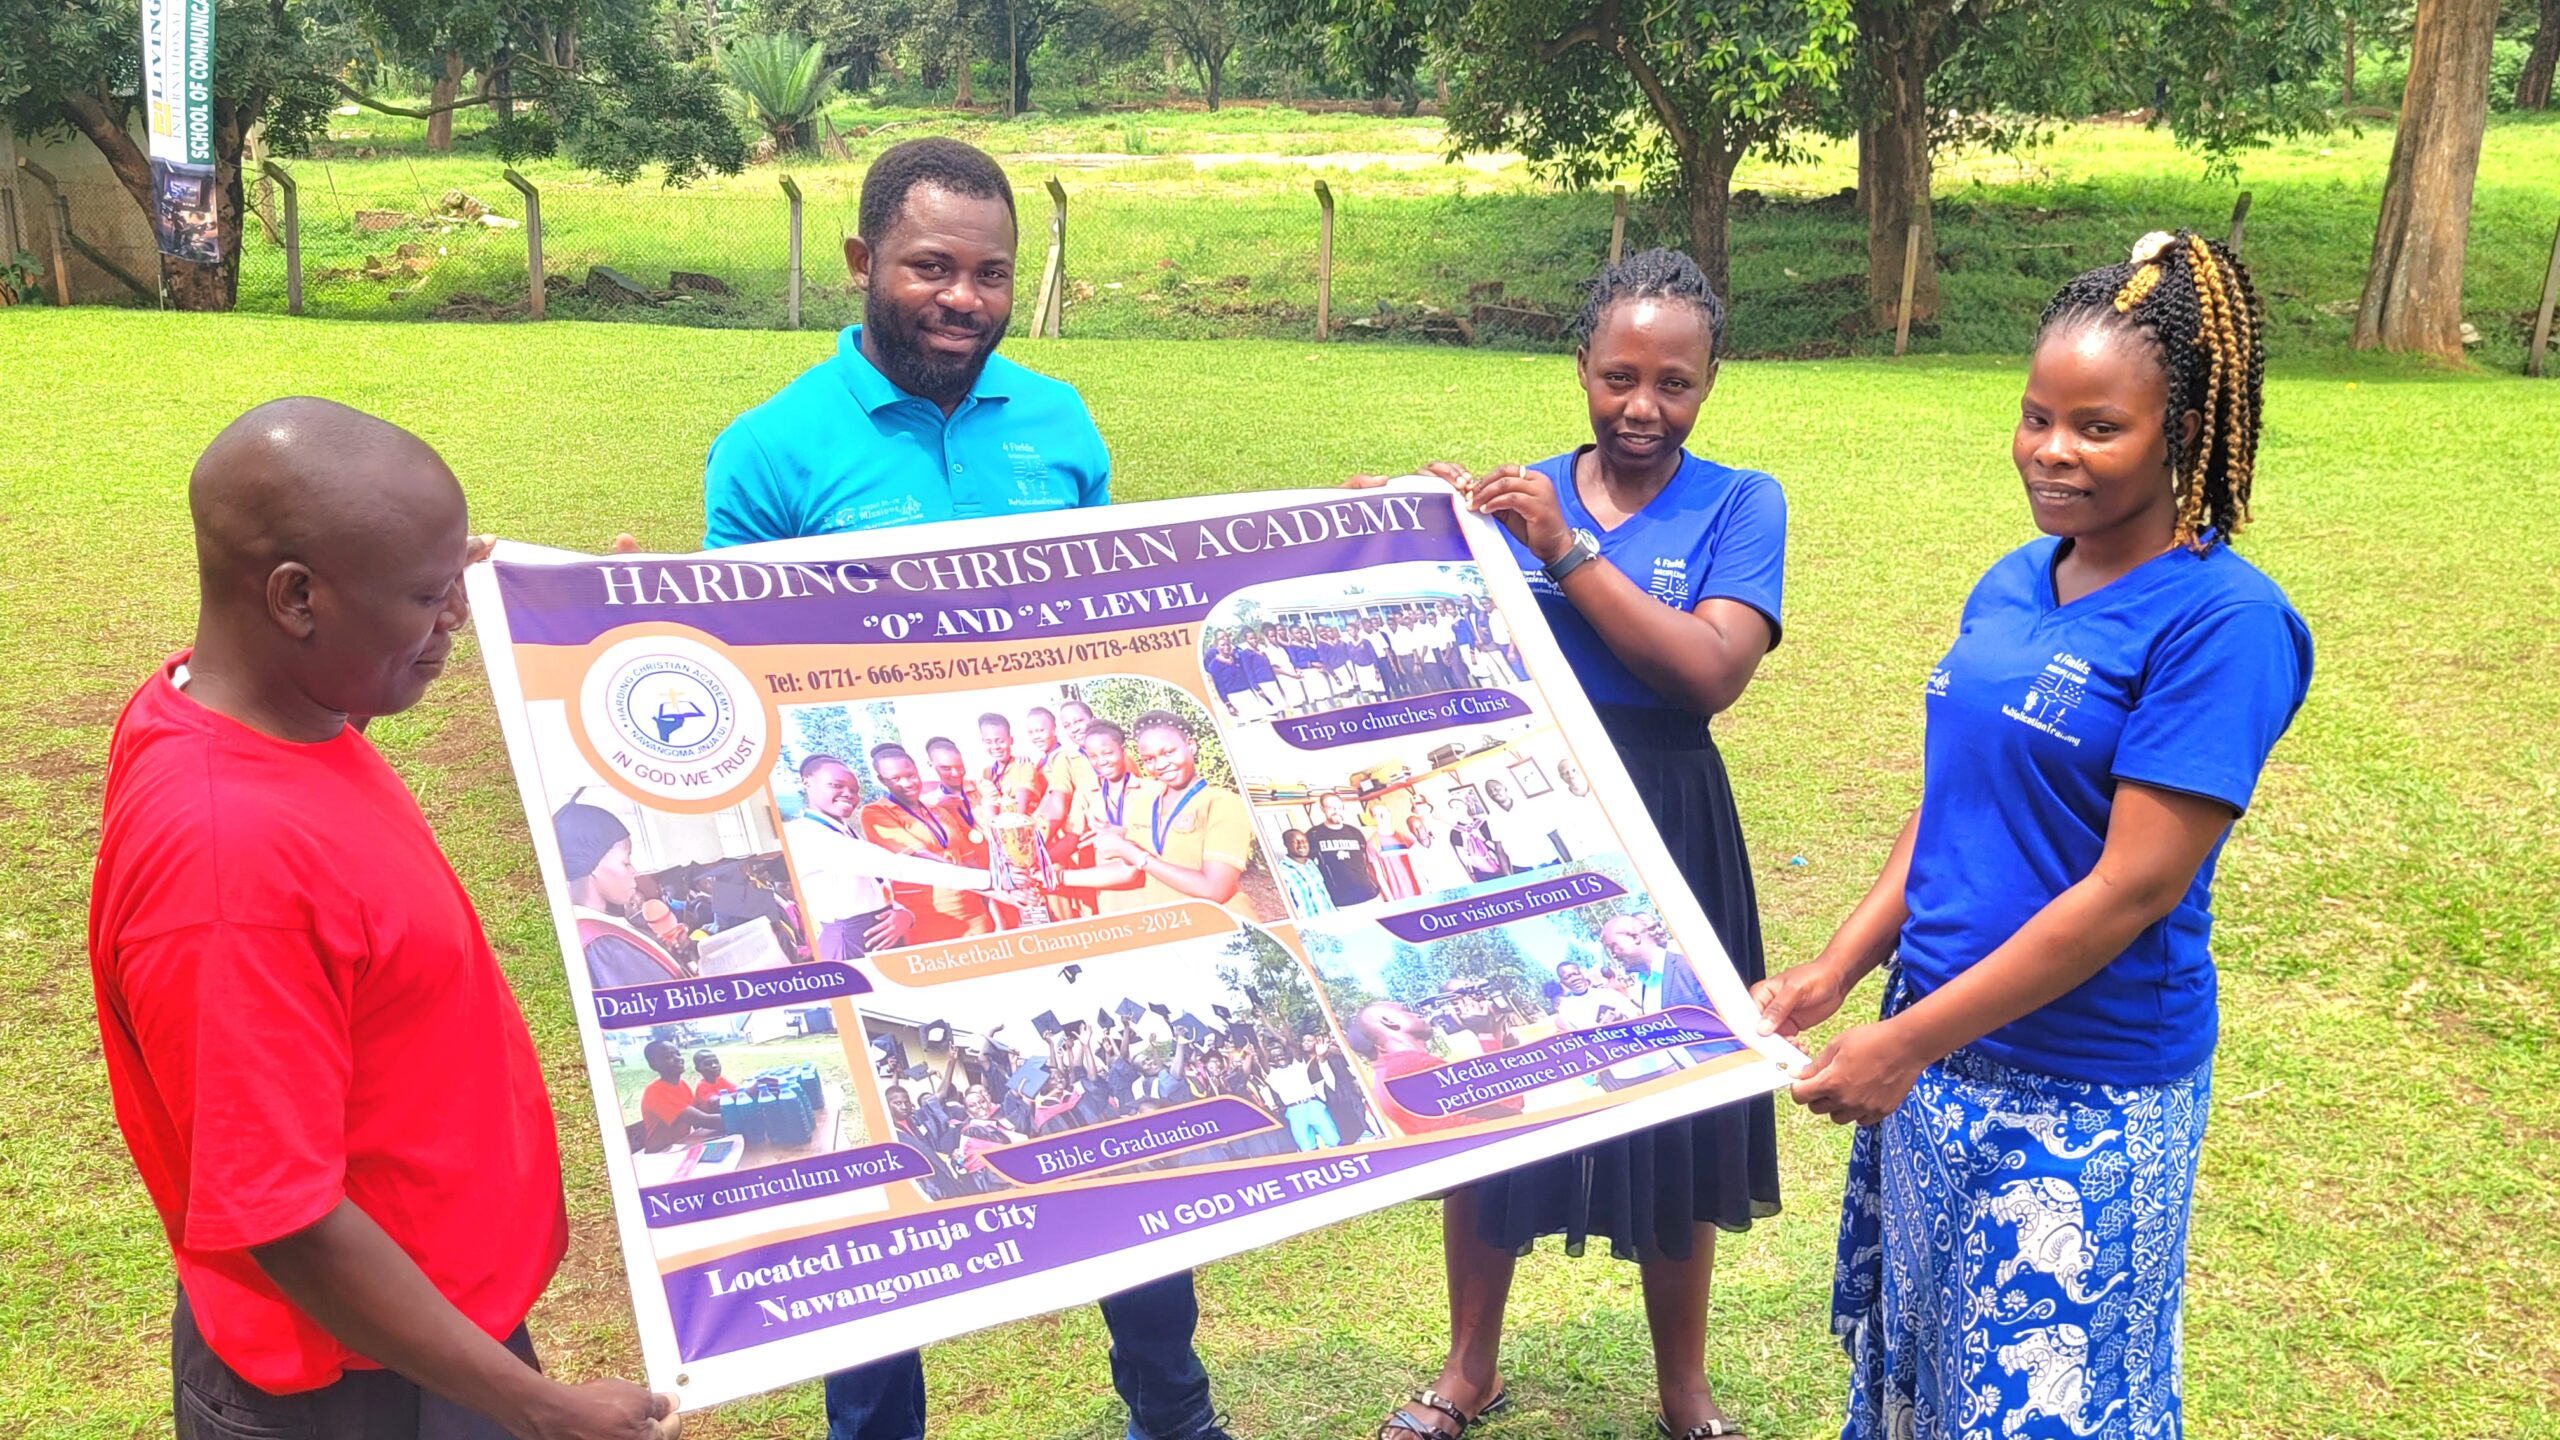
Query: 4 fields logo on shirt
1670 583
673 720
2056 691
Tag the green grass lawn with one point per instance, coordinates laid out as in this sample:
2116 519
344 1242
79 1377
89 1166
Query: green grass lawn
2374 1252
1158 248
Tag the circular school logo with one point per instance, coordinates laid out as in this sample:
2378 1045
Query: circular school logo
672 718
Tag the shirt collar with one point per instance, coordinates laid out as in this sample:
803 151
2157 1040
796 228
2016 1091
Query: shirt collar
875 392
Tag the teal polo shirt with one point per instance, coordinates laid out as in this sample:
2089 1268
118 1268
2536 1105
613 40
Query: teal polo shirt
841 448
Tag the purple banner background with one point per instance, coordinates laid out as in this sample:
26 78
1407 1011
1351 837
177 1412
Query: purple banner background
1500 907
1386 719
1500 1074
1081 1152
565 604
686 1201
629 1007
838 1277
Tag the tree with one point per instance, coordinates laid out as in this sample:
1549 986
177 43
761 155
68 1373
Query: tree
1205 32
1991 72
785 81
2413 288
2533 83
1580 90
74 65
1277 977
1374 44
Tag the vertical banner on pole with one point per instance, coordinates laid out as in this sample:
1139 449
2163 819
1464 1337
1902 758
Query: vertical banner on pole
177 88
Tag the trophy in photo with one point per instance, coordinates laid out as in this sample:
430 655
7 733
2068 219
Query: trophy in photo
1014 854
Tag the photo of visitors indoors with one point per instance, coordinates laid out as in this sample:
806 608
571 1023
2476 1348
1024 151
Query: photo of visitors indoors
930 819
1406 1006
1389 632
974 1066
1391 821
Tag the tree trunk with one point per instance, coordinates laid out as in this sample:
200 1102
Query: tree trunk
965 63
1217 78
1408 99
1172 73
1900 45
2347 64
191 286
1021 78
2413 289
447 88
1706 170
2533 87
1440 84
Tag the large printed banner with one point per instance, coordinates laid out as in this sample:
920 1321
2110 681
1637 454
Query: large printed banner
177 91
966 921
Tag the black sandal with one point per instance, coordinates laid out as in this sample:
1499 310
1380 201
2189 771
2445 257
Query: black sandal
1400 1425
1712 1430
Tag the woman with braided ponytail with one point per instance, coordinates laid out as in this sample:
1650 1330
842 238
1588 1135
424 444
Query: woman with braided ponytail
1660 573
2013 1241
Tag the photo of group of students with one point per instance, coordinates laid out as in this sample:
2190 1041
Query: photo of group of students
959 1089
1409 629
1391 833
1054 803
1414 1007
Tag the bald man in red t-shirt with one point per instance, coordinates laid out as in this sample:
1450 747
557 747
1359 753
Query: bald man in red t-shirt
350 1260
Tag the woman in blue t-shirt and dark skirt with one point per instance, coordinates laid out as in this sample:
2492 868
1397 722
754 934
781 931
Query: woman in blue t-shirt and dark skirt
2013 1242
1659 573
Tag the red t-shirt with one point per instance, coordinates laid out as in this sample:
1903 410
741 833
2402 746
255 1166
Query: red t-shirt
1396 1063
665 1100
263 909
711 1090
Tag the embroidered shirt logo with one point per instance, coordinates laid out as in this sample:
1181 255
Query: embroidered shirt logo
1937 682
1030 474
2056 691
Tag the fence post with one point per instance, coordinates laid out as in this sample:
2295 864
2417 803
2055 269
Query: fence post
1910 273
2239 219
532 235
61 236
292 234
2542 316
1049 316
793 190
1324 262
1617 223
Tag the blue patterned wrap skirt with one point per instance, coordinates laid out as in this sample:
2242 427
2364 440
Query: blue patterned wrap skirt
2013 1253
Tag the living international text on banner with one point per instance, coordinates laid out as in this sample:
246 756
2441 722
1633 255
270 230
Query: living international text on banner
177 92
970 920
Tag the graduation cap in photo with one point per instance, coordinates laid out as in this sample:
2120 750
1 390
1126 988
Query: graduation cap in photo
892 1051
1045 1024
1102 1019
1033 1074
937 1035
1222 1012
1252 997
1192 1028
1164 1010
1240 1033
1070 973
1130 1010
919 1072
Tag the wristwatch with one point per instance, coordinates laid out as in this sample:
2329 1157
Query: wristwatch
1585 547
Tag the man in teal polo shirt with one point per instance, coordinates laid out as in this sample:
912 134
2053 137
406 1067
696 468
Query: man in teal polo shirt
916 418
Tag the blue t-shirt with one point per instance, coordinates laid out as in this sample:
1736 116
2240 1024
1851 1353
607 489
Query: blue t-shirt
1713 533
2180 674
1227 674
841 448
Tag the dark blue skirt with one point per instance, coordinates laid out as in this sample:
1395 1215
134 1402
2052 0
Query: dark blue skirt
1647 1192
